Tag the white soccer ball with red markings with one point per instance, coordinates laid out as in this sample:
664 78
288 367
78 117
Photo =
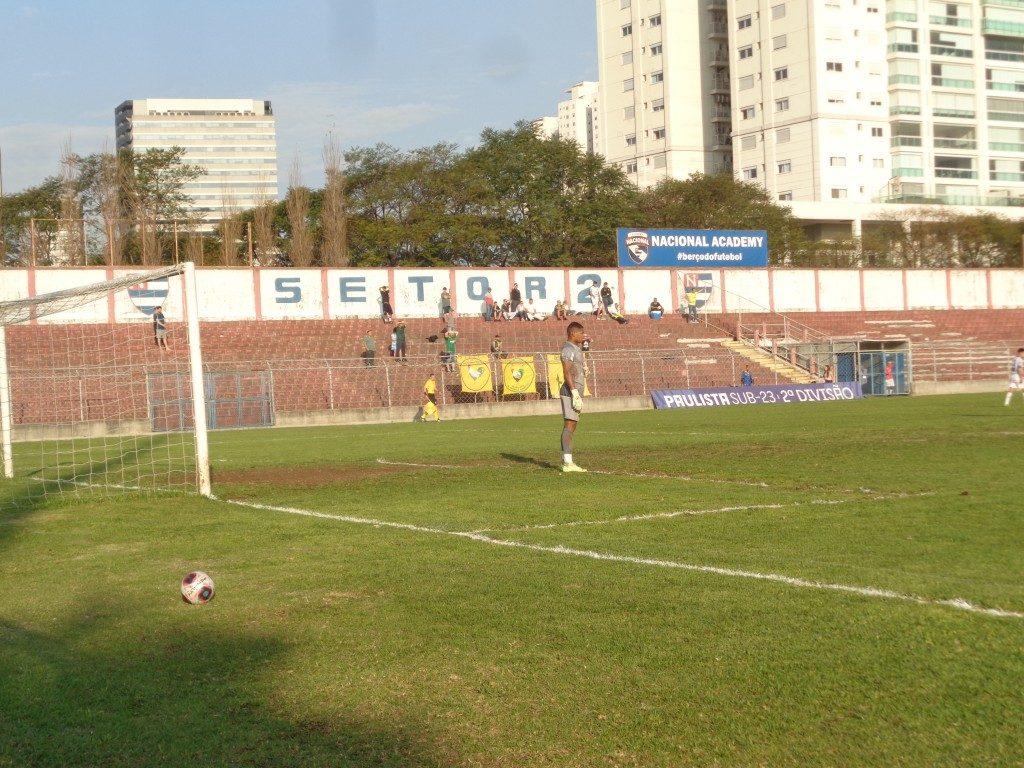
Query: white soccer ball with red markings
196 588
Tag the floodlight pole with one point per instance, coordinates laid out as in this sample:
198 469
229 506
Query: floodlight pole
5 406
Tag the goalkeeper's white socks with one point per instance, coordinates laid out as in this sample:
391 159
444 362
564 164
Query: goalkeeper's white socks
567 458
1009 395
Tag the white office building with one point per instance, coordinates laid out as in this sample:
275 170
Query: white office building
577 116
233 140
848 110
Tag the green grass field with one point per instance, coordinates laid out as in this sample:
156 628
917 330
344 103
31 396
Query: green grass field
835 584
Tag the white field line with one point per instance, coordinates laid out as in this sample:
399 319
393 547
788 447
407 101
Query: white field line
884 594
669 515
687 478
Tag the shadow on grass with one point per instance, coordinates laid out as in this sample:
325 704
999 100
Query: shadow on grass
519 459
90 694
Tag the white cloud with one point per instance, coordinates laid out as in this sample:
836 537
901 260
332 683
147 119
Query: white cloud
31 151
307 113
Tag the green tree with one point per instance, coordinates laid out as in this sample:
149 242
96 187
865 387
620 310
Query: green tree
722 202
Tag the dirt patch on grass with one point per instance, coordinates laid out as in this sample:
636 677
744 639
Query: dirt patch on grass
303 477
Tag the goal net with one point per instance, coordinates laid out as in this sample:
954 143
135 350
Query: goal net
93 400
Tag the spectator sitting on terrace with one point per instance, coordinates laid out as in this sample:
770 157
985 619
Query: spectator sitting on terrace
521 312
560 313
655 311
532 313
496 347
506 310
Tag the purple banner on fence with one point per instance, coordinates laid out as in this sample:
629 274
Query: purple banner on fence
776 393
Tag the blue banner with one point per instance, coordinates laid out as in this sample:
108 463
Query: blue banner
774 394
692 248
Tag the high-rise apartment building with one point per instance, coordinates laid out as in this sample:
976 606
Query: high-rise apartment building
577 116
837 106
233 140
664 102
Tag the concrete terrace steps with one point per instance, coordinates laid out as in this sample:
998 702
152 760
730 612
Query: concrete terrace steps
769 361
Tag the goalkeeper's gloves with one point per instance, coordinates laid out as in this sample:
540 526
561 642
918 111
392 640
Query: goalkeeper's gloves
577 401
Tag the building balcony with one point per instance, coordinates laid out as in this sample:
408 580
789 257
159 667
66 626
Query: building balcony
975 200
1002 28
947 50
900 109
718 29
950 21
955 143
905 141
907 172
1005 176
951 82
1010 117
1005 146
955 173
722 115
716 5
1004 3
902 48
904 80
900 16
992 85
720 84
718 59
1004 56
947 112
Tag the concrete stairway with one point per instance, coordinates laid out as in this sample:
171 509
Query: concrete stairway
768 360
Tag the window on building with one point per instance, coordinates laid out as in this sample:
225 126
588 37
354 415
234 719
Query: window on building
627 57
876 131
627 85
660 161
624 3
743 22
746 82
656 20
878 162
631 140
627 30
876 102
835 98
837 162
838 193
833 66
658 105
656 49
778 42
750 173
748 143
657 77
629 113
779 11
872 9
747 113
782 136
782 73
746 52
785 166
781 105
785 195
631 167
659 133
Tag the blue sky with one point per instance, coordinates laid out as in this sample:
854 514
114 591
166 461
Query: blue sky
404 72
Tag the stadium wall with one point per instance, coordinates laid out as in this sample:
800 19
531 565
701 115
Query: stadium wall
294 294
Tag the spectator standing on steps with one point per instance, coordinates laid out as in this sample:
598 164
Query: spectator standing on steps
449 350
746 378
386 312
446 302
400 341
606 299
691 305
515 298
594 293
369 349
160 328
489 306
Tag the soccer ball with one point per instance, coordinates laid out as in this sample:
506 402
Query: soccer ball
196 588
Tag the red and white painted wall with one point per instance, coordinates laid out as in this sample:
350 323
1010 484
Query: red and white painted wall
286 294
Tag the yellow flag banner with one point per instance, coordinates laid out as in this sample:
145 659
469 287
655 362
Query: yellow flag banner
518 376
475 372
556 379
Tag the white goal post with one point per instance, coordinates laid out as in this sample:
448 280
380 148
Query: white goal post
87 403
